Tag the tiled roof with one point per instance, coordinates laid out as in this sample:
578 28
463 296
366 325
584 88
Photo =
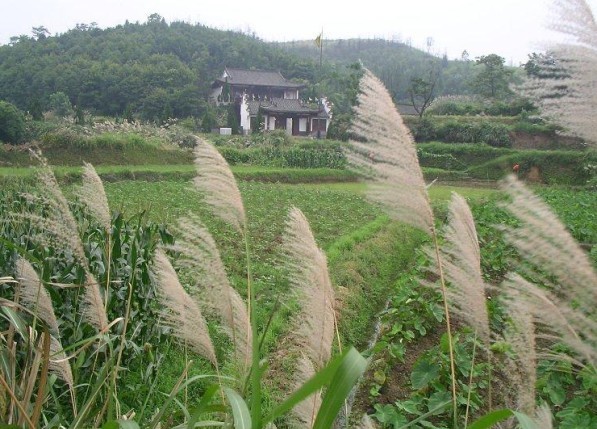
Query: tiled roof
284 105
258 78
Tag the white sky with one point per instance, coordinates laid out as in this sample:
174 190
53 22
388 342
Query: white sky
510 28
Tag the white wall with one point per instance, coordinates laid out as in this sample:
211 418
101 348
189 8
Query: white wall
245 119
291 94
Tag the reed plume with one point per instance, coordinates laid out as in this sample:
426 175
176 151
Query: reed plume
93 195
198 251
366 423
520 334
305 411
386 155
309 276
544 417
565 90
313 327
60 229
461 259
558 320
181 313
543 240
35 297
215 180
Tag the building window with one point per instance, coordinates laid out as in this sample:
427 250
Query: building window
302 125
318 125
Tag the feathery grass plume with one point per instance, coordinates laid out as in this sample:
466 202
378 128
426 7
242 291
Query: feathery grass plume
565 90
59 226
198 251
543 417
59 363
387 156
309 276
366 423
462 264
543 240
520 334
93 195
93 305
60 229
181 312
216 181
313 327
305 411
35 297
559 320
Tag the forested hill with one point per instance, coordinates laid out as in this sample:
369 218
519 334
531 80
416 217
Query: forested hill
155 70
394 62
144 68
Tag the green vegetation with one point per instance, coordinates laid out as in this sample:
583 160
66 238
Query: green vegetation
541 166
12 123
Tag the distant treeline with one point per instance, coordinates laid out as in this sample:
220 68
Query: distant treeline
156 70
152 69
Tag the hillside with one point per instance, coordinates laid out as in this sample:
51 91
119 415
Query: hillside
395 63
155 69
151 69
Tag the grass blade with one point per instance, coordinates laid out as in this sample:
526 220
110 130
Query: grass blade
311 386
240 411
490 419
352 367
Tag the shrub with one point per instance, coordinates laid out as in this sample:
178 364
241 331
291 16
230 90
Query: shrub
60 104
553 167
462 131
12 123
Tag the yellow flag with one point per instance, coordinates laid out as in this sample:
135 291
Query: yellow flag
318 41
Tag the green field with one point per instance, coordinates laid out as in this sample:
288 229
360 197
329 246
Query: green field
375 265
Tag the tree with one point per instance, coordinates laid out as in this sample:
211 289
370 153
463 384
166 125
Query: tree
60 104
40 33
35 110
563 86
12 123
545 66
421 90
232 119
493 78
208 120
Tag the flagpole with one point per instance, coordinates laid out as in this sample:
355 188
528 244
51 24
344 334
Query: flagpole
321 48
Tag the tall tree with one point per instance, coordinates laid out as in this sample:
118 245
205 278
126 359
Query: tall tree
422 90
493 78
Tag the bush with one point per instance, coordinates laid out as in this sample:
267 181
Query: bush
60 104
463 105
552 167
12 123
320 154
462 131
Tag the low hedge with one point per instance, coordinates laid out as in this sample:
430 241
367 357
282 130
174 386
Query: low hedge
303 155
452 130
551 167
454 156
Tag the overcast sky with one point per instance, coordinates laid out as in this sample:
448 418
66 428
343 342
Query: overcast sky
510 28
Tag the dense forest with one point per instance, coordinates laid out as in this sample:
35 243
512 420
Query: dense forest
156 70
152 69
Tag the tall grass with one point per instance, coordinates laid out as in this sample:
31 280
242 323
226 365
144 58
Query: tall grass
384 152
